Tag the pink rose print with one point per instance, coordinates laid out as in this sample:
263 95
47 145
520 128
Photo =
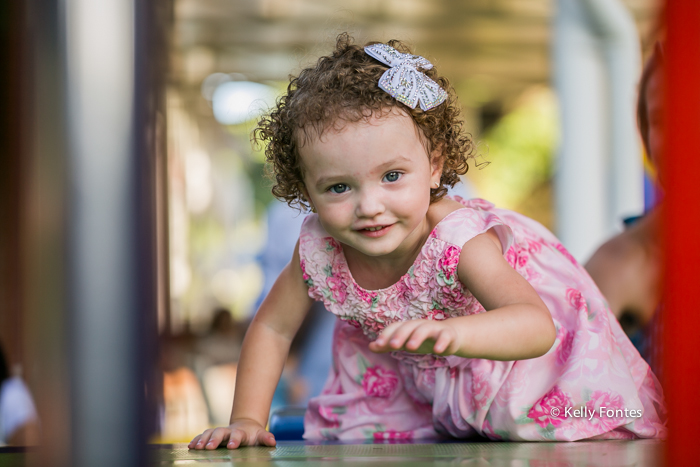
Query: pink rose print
566 254
393 435
379 382
374 325
517 256
613 410
576 300
510 256
364 295
533 247
332 245
523 257
541 410
532 275
516 383
448 261
437 315
353 323
567 341
480 390
304 275
403 287
452 299
489 431
421 270
330 416
337 288
476 203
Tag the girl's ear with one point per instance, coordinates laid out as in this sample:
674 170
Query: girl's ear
437 160
306 196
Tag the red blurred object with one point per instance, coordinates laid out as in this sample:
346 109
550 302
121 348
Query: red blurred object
682 229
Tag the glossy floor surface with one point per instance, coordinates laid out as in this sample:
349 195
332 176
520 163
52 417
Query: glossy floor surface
292 453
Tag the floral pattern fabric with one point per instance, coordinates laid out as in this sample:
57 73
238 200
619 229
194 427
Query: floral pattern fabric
591 384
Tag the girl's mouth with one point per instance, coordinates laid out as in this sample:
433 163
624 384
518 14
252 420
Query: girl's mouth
375 232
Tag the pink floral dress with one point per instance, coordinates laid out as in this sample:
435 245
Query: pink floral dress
591 384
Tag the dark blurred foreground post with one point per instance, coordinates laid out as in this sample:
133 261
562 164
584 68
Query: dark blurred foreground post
682 225
94 108
43 222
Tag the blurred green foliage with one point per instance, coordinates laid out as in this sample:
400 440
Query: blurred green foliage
520 151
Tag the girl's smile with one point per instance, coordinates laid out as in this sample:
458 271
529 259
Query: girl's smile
370 184
376 231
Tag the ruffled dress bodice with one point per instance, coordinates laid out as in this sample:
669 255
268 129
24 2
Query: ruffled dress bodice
429 290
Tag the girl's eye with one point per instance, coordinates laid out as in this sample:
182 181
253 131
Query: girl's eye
392 176
339 188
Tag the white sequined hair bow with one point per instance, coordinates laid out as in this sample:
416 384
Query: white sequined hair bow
403 81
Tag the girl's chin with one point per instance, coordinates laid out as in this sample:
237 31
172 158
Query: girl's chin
370 248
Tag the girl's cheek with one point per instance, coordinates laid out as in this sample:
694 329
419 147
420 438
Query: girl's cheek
334 215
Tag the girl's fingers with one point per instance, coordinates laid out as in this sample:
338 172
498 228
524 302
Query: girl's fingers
265 438
236 439
402 333
418 336
381 344
395 336
203 439
217 437
232 437
443 341
194 441
386 334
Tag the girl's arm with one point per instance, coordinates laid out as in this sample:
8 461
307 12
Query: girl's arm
518 324
263 355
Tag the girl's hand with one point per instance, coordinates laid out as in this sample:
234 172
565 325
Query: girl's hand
424 336
239 433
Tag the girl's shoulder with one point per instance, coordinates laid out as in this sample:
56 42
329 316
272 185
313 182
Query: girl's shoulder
311 228
463 220
317 249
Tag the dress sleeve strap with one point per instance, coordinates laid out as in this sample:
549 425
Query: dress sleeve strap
317 254
477 217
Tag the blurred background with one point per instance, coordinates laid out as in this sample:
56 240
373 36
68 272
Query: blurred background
133 206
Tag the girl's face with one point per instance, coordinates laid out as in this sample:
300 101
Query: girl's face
370 184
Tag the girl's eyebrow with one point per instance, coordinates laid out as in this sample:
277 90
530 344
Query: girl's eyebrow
333 178
394 161
328 180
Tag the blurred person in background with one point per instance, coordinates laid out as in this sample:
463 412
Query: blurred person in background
627 268
222 343
19 423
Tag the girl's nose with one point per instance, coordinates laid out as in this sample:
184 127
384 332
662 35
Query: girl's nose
369 204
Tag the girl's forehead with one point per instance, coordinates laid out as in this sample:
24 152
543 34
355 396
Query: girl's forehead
393 121
363 148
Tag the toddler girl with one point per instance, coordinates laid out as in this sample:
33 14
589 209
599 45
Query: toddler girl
455 318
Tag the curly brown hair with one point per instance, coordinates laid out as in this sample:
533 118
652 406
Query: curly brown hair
344 86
